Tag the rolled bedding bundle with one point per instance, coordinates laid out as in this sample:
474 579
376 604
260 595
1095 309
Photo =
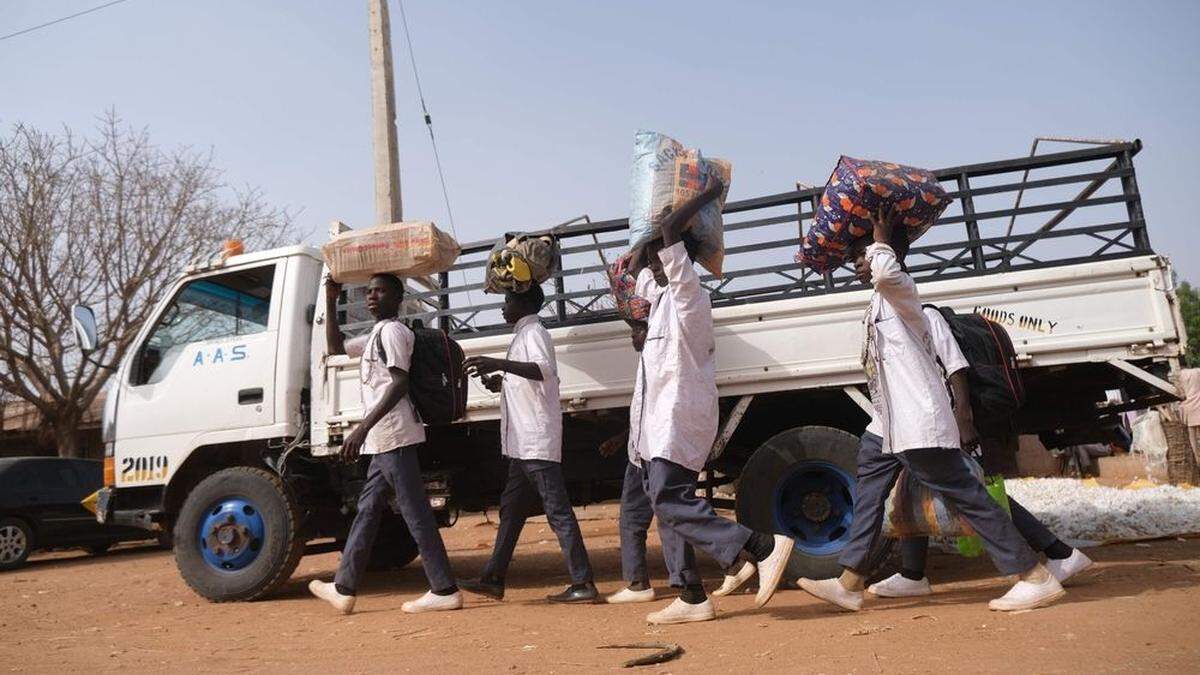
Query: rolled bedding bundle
517 262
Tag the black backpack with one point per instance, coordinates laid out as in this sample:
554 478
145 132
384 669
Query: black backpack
997 392
437 383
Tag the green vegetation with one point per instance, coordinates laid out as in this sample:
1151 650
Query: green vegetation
1189 305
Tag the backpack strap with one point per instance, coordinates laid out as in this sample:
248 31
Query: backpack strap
938 358
379 344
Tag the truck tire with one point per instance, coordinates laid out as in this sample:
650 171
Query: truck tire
800 482
238 535
99 549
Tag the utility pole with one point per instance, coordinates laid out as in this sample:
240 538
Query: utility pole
383 117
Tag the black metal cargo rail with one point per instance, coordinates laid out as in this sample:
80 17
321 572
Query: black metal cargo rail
1017 214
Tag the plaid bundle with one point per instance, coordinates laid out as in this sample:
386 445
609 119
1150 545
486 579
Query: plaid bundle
630 306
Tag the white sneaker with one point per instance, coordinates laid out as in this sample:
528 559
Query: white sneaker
1028 595
327 592
628 595
831 590
735 581
433 603
900 586
770 571
682 612
1070 566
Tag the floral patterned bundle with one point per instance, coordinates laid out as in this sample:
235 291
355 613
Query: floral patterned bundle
856 191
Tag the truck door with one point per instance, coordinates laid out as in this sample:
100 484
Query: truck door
206 366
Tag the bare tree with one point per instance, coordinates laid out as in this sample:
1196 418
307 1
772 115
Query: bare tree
108 221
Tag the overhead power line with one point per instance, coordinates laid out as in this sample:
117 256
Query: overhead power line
412 59
432 139
97 8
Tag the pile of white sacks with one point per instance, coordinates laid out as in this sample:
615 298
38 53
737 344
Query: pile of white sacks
1082 511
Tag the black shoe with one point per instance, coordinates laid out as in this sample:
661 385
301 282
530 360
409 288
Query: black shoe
576 594
484 587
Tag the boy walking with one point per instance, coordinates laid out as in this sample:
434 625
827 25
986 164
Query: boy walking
918 431
673 423
391 434
531 438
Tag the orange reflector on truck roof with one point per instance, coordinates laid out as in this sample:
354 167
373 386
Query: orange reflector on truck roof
231 248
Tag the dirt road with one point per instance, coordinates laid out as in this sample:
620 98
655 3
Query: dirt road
129 611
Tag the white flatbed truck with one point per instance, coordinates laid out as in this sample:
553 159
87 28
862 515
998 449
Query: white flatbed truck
223 425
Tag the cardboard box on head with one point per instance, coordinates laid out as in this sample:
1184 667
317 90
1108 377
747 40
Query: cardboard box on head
406 249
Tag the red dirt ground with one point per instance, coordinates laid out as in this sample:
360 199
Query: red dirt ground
129 611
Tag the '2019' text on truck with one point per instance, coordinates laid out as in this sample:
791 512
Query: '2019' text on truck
223 423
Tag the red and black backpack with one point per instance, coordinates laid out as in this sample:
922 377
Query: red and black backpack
996 389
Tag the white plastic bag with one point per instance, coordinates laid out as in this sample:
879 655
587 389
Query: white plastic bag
667 174
1150 441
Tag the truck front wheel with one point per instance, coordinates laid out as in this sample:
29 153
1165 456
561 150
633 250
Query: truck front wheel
800 482
238 535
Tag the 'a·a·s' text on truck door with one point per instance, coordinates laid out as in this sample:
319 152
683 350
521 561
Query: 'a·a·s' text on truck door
204 370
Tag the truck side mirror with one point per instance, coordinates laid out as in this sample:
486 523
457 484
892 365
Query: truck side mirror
83 320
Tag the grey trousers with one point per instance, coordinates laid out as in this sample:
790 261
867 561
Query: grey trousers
636 514
1036 534
686 521
394 480
942 470
531 481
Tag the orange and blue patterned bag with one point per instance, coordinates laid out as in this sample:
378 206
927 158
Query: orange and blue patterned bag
857 189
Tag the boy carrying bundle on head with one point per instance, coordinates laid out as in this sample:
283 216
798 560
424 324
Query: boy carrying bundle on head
673 423
917 431
531 438
392 434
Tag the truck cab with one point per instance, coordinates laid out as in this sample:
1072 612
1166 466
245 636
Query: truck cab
221 369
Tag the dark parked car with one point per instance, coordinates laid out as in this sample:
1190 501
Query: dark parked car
40 508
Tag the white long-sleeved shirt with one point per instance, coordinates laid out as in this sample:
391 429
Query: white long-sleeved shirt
674 412
530 411
946 349
908 387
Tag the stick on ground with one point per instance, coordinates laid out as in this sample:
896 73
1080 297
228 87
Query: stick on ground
667 651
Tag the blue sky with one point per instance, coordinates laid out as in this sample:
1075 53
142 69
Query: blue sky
535 103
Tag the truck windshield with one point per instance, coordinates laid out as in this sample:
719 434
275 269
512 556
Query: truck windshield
225 305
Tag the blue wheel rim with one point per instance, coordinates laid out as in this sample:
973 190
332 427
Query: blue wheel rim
814 504
231 534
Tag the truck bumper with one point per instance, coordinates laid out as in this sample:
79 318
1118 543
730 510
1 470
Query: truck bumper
107 512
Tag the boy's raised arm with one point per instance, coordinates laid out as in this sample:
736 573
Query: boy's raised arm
892 282
675 221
